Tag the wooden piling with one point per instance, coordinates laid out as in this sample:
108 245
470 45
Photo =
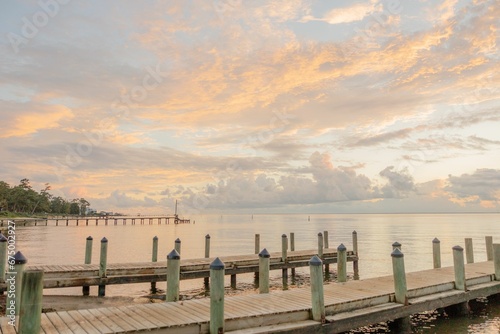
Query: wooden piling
173 276
3 257
355 264
489 248
88 260
341 263
469 250
30 314
458 264
14 297
436 253
257 243
317 294
292 249
264 271
217 296
102 266
284 271
207 255
496 260
177 246
154 258
398 270
320 245
325 240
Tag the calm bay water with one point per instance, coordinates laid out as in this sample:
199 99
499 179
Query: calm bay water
234 234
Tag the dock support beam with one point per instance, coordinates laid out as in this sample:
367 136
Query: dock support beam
436 253
173 276
292 249
325 246
496 260
217 296
317 295
264 271
88 260
154 258
102 266
30 314
341 263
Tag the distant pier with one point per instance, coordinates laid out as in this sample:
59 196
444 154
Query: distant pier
96 220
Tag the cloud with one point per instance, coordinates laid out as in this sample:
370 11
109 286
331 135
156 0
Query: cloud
400 184
483 185
353 13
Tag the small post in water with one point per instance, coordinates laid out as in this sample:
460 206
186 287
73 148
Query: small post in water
325 240
341 263
264 271
436 253
154 258
102 266
173 276
320 245
469 250
396 245
217 296
178 245
30 315
489 248
317 296
88 260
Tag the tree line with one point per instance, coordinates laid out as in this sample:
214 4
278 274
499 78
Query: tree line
24 199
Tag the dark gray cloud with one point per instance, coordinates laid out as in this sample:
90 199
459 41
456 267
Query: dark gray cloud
483 183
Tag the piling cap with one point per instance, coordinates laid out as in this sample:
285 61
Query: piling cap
155 238
207 236
104 239
457 248
354 232
436 241
315 261
397 253
90 238
217 264
283 235
2 238
19 258
173 255
320 234
341 247
396 244
178 240
264 253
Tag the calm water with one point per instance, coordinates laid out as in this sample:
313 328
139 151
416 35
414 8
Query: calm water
234 234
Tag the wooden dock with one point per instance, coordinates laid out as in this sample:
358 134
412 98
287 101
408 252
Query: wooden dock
348 305
58 276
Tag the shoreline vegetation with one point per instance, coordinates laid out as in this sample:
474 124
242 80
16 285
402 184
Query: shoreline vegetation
23 201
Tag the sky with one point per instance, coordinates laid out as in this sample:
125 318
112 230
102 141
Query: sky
233 106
